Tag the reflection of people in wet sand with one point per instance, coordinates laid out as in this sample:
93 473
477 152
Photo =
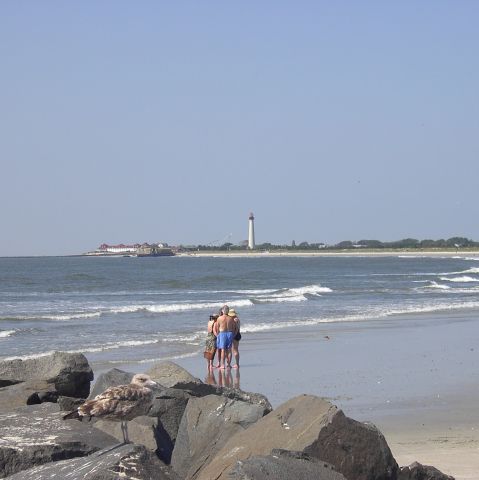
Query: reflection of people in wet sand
225 330
236 382
210 344
210 377
225 378
236 338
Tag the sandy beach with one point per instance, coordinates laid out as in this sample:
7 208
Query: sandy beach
330 253
415 379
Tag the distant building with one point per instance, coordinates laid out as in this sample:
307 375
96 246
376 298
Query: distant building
141 250
121 248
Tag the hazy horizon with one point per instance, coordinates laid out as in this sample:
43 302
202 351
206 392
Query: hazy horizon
170 122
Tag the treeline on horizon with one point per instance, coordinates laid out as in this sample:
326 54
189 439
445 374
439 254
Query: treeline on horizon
406 243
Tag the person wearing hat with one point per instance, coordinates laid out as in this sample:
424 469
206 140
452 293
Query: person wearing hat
236 339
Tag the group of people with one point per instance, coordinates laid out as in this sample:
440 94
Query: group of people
223 337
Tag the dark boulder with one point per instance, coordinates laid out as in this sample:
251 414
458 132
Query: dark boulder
129 462
416 471
314 426
284 465
207 423
69 373
168 407
358 450
37 434
68 404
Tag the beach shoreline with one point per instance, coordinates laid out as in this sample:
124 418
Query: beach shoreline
342 253
423 402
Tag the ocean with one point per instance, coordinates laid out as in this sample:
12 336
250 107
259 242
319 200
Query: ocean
136 311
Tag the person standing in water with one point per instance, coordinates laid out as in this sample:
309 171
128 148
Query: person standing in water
236 338
225 330
210 343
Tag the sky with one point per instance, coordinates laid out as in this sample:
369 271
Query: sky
160 121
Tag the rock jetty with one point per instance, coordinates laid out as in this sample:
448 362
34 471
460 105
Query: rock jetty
193 431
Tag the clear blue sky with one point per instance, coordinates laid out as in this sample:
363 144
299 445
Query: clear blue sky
171 121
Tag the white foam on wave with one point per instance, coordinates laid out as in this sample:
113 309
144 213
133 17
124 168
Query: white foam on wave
296 294
192 339
6 333
469 270
179 307
71 316
463 279
437 286
311 289
281 299
245 292
56 317
30 357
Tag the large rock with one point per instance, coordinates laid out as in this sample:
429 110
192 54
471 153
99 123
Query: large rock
69 373
284 465
207 424
141 430
416 471
112 378
129 462
171 375
168 407
314 426
21 394
37 434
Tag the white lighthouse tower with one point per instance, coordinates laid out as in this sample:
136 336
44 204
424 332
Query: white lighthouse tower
251 244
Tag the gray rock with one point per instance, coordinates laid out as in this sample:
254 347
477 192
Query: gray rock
141 431
19 394
37 434
206 425
168 407
68 404
314 426
358 450
284 465
416 471
112 378
171 375
204 389
69 373
129 462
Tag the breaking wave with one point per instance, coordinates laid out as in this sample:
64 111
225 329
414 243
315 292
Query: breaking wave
6 333
463 279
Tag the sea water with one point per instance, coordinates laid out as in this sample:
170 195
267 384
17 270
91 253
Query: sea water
128 310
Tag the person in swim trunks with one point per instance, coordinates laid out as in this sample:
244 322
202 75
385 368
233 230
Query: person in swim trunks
225 330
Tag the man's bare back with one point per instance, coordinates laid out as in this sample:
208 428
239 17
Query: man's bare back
225 323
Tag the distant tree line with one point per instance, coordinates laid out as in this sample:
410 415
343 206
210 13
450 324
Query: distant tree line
406 243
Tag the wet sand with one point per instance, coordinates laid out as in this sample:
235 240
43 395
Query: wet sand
415 377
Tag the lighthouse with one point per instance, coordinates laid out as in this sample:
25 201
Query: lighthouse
251 232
